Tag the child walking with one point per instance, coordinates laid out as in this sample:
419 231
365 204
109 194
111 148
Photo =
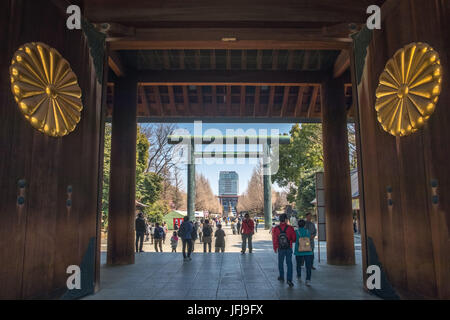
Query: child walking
174 241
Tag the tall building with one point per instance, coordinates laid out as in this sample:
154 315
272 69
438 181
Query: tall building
228 191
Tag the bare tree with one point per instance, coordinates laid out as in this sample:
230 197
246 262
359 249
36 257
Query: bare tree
160 152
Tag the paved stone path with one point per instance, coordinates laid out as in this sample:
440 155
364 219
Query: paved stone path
226 276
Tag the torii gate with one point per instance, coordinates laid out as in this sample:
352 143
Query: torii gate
265 141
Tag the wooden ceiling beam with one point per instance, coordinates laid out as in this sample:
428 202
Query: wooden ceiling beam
246 38
229 109
183 77
257 100
181 59
186 100
290 64
274 59
166 59
313 101
341 64
172 106
213 112
259 59
242 105
271 98
285 101
219 12
298 105
244 60
115 63
144 98
213 59
158 100
201 107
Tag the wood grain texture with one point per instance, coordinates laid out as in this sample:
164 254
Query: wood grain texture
411 236
338 198
40 240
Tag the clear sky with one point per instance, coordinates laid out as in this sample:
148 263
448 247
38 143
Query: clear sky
245 169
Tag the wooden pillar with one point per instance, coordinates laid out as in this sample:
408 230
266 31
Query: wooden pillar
338 200
122 188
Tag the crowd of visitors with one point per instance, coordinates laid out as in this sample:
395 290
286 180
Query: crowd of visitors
291 237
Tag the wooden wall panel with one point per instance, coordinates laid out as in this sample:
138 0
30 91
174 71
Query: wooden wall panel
411 236
39 241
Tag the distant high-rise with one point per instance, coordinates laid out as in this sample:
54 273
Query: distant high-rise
228 191
228 183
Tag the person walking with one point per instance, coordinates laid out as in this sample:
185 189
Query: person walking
313 232
233 227
152 232
158 237
174 241
185 233
166 229
238 226
283 236
140 227
303 251
200 231
220 239
247 231
207 236
256 224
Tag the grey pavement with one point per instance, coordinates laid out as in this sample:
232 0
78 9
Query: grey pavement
227 276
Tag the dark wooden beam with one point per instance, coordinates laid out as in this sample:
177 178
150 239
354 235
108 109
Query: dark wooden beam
182 77
197 59
181 59
271 97
159 106
213 110
229 109
228 59
166 60
242 105
274 59
246 39
298 105
186 100
290 63
122 188
201 107
338 196
213 59
259 59
143 94
341 64
257 101
224 13
115 63
244 60
285 101
172 106
313 101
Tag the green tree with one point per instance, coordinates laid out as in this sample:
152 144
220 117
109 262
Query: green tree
299 161
148 184
156 211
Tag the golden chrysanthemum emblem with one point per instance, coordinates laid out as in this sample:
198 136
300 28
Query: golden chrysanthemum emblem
46 89
409 89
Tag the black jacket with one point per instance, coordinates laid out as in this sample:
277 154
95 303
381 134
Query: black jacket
141 225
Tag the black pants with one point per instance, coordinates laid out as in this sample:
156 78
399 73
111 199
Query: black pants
207 245
139 240
187 242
